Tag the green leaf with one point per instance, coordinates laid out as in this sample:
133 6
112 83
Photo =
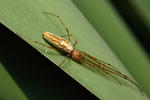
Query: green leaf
26 19
8 88
119 37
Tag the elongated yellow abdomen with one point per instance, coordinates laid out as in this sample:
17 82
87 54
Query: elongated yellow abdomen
58 42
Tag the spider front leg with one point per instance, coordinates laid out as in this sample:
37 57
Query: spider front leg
67 30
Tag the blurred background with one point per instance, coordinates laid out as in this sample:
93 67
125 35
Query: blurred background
134 17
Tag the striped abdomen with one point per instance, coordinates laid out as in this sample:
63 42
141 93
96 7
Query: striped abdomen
58 42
